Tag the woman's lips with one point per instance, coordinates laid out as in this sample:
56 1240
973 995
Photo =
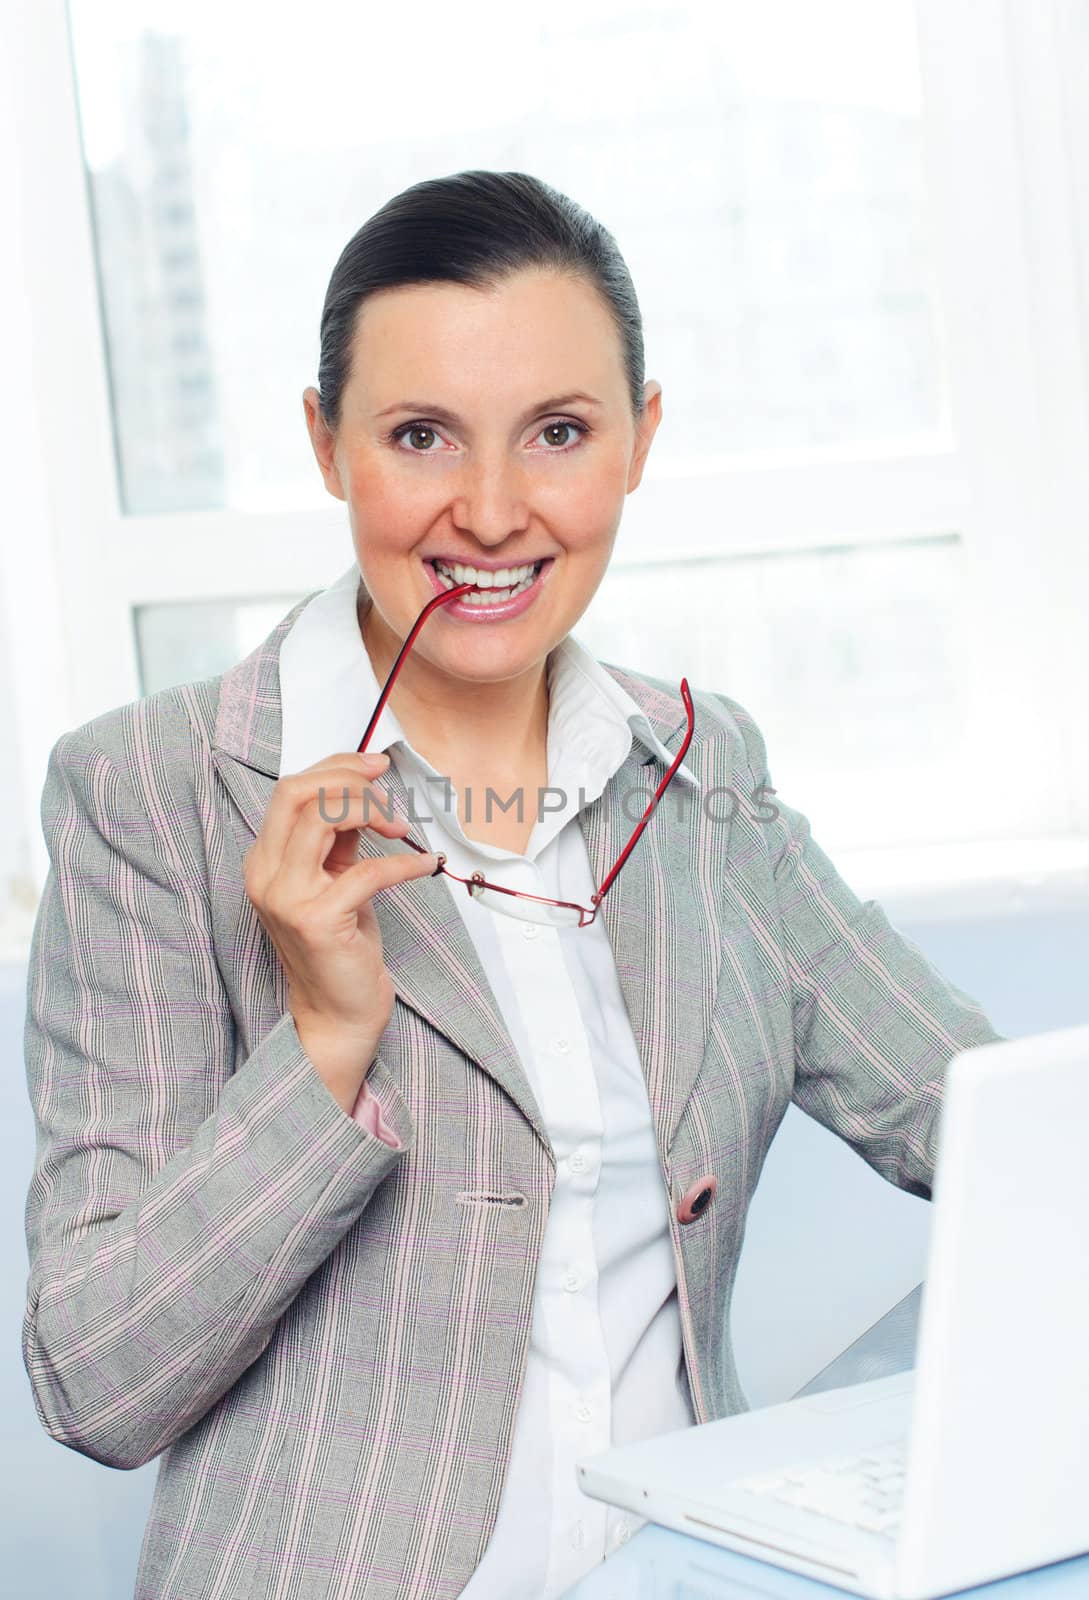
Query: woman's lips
497 611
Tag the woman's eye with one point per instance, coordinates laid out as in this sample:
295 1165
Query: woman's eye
552 428
412 431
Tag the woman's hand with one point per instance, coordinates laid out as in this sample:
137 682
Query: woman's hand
312 894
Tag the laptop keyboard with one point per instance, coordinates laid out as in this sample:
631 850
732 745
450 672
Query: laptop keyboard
864 1490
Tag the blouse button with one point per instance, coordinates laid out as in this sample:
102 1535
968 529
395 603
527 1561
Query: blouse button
563 1046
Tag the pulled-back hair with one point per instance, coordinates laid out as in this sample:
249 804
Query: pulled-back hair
474 228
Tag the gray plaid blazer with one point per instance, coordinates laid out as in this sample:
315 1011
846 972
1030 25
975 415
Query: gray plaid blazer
323 1338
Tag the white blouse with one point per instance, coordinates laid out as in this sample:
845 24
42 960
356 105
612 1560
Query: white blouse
606 1364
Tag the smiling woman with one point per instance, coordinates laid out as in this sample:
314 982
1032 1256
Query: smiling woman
370 1209
511 310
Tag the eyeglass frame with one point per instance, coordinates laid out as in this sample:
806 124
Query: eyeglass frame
477 883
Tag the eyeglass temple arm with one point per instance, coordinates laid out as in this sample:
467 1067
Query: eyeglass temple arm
686 696
436 600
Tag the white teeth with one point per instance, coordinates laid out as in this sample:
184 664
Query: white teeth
504 578
499 586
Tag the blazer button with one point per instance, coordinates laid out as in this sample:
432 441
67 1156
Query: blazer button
697 1198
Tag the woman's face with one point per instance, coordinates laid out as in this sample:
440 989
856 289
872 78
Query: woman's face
490 429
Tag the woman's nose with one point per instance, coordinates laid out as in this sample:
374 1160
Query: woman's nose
491 499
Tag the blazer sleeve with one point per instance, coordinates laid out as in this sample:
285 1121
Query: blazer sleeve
177 1206
875 1022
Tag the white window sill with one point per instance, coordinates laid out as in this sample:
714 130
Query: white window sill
990 878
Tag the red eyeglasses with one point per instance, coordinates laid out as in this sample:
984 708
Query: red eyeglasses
515 902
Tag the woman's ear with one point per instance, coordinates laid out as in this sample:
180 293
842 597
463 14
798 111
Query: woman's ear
646 428
324 442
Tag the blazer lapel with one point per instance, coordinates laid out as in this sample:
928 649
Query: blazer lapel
654 916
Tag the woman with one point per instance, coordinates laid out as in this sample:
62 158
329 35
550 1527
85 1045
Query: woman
370 1204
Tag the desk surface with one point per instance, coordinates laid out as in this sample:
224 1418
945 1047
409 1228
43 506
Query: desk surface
658 1564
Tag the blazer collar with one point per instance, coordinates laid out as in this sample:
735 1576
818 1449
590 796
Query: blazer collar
652 913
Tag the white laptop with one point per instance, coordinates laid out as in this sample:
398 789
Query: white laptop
974 1465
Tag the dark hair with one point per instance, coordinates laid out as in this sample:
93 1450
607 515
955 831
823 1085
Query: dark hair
473 228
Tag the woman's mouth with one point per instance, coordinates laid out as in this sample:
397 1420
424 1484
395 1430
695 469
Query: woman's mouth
500 594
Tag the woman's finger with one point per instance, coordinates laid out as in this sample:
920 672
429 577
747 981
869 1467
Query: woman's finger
330 822
292 792
365 878
319 788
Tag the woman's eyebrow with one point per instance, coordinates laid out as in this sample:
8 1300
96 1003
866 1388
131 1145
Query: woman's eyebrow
428 408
